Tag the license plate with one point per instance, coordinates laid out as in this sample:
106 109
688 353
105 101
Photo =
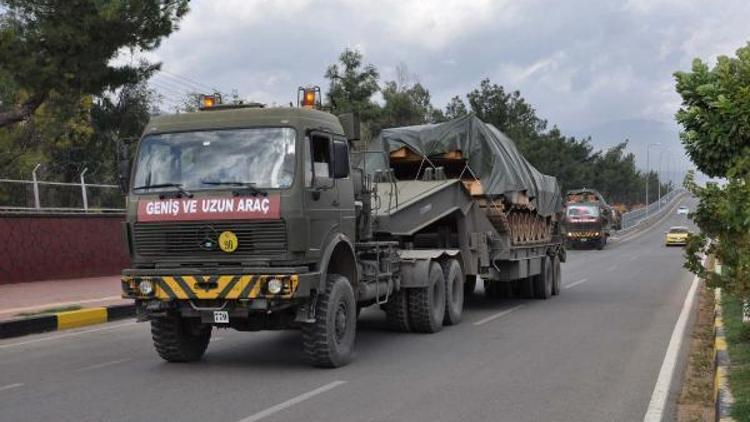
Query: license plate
221 317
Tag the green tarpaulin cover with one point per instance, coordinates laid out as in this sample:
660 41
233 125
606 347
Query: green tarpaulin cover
491 156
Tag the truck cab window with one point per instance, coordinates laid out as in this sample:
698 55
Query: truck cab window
321 155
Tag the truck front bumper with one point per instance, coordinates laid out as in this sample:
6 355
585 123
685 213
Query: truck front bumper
222 286
583 236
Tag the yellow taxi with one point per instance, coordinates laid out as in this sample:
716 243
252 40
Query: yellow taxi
677 235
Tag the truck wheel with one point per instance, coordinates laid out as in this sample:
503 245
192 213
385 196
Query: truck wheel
543 282
454 291
470 285
397 312
600 244
556 276
329 341
180 339
427 304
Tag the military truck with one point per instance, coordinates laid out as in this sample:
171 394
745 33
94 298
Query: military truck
589 219
253 218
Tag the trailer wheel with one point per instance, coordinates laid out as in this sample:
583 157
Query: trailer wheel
427 304
543 282
557 276
397 312
179 339
329 341
470 285
454 291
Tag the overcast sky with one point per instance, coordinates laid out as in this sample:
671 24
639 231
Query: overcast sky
601 67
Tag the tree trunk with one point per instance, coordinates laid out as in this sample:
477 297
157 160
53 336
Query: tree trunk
22 112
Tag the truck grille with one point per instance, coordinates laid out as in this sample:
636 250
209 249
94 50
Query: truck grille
579 227
258 238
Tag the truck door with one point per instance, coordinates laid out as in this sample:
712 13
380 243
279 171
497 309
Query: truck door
345 188
322 205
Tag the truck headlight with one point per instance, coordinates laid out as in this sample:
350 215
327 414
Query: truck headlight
146 287
274 286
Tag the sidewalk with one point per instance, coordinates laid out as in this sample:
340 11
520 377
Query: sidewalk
32 297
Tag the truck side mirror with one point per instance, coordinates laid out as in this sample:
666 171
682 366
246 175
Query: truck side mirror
350 123
340 160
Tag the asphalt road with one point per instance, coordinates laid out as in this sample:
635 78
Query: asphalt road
591 354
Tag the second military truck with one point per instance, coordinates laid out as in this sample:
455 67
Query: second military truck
589 220
258 218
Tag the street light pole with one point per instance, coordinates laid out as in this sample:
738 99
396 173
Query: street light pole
658 172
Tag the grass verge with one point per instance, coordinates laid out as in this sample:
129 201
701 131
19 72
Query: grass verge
695 402
738 342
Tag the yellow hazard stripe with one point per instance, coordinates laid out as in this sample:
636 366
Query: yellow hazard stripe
220 287
80 318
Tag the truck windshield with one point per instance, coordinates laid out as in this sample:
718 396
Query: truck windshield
583 211
261 157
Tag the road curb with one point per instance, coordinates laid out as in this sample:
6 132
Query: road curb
723 397
65 320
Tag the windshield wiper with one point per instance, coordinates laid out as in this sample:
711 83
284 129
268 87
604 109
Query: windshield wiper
180 189
250 186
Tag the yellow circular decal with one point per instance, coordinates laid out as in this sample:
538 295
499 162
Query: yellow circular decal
228 241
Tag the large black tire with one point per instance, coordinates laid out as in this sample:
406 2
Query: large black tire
557 276
543 282
600 244
329 341
397 312
427 304
454 291
179 339
470 284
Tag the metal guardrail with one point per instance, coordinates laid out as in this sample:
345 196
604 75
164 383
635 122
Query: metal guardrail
635 217
20 196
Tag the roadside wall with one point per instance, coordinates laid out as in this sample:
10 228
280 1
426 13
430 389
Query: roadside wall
58 246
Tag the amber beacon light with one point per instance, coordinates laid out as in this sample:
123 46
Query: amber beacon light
309 97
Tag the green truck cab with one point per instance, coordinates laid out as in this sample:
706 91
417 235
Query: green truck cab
236 217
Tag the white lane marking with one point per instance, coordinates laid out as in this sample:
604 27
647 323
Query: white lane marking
612 267
77 333
498 315
103 364
657 405
291 402
575 283
10 386
57 305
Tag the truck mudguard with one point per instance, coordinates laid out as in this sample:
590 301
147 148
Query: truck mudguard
325 261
